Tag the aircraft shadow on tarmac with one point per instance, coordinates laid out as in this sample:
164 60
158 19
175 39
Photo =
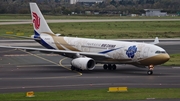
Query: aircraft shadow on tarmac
119 71
130 71
47 69
122 71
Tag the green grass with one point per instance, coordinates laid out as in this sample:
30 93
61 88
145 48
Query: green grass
98 94
174 60
105 30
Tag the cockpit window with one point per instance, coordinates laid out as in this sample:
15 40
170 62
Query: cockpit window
160 52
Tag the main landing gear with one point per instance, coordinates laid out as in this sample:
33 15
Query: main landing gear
74 68
150 71
109 66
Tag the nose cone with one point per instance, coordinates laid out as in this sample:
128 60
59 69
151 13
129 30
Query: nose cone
160 59
156 60
164 58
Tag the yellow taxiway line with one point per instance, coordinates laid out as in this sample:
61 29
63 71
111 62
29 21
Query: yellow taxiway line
60 62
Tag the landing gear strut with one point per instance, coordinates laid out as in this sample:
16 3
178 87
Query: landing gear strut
150 71
105 66
109 66
74 68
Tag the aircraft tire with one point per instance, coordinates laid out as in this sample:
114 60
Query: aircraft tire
79 70
109 67
73 68
114 67
105 66
149 72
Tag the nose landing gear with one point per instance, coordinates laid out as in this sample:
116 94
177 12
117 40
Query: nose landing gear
150 71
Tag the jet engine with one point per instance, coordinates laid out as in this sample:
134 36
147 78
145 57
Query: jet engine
83 63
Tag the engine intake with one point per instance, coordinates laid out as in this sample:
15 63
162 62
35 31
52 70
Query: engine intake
83 63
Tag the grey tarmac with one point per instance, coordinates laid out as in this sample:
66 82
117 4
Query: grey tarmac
23 71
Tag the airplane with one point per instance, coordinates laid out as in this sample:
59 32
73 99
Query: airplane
86 53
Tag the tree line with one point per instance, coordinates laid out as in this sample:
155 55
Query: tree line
106 7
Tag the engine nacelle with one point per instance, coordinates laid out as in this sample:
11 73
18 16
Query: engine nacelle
83 63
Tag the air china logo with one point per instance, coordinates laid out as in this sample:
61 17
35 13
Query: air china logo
36 20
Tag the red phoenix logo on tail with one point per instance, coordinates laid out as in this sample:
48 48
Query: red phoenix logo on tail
36 20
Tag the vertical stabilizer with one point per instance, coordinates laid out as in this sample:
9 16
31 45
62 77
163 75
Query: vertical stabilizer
39 23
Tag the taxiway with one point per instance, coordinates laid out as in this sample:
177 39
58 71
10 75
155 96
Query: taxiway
22 71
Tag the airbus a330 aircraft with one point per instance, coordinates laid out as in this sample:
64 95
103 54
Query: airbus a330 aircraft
85 53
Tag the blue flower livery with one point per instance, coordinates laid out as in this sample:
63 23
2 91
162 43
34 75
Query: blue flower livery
131 51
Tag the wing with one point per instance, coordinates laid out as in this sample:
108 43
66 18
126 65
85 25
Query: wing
70 54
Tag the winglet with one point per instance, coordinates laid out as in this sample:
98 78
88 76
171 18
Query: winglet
156 41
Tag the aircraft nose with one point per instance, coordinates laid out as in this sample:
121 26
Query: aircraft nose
156 60
160 59
165 57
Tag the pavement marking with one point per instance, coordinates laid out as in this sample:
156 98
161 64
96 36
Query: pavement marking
88 84
12 55
54 86
60 62
176 67
51 61
42 58
90 77
34 65
37 78
6 51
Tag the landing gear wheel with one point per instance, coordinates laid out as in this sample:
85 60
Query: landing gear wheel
149 72
73 68
114 67
79 70
105 66
109 66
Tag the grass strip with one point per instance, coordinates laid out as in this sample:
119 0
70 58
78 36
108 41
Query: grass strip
104 30
174 60
98 94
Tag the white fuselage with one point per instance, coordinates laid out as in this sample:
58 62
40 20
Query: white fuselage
118 51
102 51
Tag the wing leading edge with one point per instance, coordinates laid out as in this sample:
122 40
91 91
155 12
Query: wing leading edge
70 54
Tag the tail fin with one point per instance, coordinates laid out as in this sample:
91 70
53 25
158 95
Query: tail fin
39 23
